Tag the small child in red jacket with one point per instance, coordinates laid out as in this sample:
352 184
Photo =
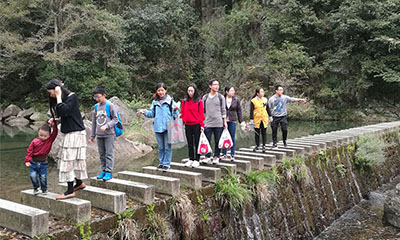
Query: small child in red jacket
36 156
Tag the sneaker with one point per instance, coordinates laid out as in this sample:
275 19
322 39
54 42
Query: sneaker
195 164
263 149
284 144
224 157
274 146
44 192
35 191
232 158
206 160
189 163
255 148
215 160
107 176
160 166
101 175
165 168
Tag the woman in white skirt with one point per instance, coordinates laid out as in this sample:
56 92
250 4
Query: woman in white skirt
64 104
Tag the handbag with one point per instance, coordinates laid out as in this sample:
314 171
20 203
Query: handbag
204 145
225 142
175 131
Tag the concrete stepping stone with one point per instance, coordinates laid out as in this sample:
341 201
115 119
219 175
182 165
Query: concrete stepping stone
308 149
208 173
269 159
313 147
189 179
24 219
257 163
242 166
106 199
298 150
289 152
322 145
221 165
279 155
75 209
162 184
135 190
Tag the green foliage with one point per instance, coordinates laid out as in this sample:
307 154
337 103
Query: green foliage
128 213
157 226
204 212
85 235
342 55
369 152
296 168
340 169
231 193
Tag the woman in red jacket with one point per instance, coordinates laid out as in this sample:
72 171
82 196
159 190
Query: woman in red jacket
192 114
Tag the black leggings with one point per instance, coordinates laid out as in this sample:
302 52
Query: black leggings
263 131
193 137
274 125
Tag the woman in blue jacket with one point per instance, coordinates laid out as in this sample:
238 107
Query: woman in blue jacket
162 109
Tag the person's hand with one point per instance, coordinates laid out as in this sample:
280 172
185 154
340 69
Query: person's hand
51 121
225 125
304 100
177 106
28 164
103 128
57 91
201 129
92 140
142 111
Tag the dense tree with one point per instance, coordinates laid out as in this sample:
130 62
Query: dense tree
343 54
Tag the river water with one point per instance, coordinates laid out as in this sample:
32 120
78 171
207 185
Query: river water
14 176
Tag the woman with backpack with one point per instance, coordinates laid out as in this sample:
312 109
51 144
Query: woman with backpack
192 114
163 108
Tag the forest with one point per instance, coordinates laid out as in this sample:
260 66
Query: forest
340 54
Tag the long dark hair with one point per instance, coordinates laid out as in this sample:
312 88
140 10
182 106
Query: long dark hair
227 88
257 91
51 85
159 85
196 96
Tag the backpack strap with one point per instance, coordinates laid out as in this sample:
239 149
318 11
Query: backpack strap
108 109
95 107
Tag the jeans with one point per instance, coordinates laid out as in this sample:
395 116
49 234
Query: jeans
193 137
38 170
274 125
232 131
217 135
261 131
106 152
164 148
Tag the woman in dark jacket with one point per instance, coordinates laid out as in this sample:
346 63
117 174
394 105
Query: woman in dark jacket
233 112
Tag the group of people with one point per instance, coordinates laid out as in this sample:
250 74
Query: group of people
211 114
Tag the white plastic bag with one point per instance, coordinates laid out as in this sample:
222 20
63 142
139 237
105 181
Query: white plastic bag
225 142
204 145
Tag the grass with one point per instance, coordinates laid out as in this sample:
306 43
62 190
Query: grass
231 193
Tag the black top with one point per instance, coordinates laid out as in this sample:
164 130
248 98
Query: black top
71 118
233 110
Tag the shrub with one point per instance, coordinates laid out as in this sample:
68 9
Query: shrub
369 152
229 192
